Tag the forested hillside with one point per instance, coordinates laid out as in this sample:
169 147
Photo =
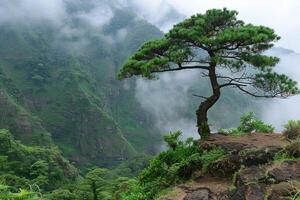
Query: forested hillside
59 87
70 130
62 88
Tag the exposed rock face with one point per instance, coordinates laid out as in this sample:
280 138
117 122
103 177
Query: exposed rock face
283 191
201 194
248 171
286 171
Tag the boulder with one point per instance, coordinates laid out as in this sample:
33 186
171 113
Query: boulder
200 194
253 174
285 171
282 191
254 191
225 166
254 156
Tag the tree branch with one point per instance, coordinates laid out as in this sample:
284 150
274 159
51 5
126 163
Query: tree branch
232 84
181 68
203 97
259 96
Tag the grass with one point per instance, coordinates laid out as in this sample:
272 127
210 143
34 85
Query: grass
282 156
210 156
169 193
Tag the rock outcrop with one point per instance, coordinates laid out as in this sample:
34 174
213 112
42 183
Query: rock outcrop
249 171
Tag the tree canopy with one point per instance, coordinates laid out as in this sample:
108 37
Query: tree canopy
228 51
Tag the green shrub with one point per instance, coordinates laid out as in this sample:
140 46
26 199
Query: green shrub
6 194
166 169
249 124
134 191
172 139
282 156
293 149
172 166
292 129
291 152
61 194
210 156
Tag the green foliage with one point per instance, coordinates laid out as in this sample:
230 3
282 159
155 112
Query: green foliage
249 124
228 43
96 182
292 129
282 156
21 165
170 167
61 194
49 86
215 39
172 139
132 167
101 183
134 191
6 194
210 156
290 152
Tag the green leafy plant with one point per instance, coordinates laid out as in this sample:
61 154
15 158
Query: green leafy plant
172 139
6 194
292 129
209 156
249 124
170 167
282 156
173 166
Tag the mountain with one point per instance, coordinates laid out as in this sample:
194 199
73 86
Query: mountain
58 86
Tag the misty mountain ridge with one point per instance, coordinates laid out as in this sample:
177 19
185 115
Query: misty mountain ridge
58 84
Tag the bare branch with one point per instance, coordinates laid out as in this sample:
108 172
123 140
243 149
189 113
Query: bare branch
181 68
232 84
203 97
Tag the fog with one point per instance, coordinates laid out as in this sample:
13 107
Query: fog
168 100
169 97
279 111
31 11
167 103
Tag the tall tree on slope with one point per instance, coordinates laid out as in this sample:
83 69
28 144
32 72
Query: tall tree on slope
228 51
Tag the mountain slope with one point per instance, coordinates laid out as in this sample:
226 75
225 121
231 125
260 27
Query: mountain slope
51 85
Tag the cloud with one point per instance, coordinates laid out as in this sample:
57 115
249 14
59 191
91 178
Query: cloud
98 16
90 17
167 100
30 11
279 111
158 12
283 16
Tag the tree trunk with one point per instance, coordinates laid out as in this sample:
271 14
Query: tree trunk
94 189
202 121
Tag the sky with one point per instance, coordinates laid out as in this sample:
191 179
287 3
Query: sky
281 15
